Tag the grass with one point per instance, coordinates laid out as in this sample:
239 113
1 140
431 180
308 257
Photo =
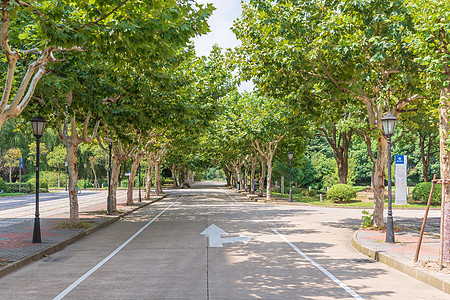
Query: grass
80 225
353 203
12 194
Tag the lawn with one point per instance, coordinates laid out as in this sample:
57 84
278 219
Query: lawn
354 203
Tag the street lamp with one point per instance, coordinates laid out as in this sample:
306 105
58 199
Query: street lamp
108 204
84 176
38 124
389 121
139 182
290 156
65 163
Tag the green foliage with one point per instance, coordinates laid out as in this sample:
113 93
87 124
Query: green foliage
2 185
43 183
421 192
51 178
367 218
25 187
124 183
341 193
89 183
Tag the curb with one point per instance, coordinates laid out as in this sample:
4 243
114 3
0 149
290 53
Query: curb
402 267
57 247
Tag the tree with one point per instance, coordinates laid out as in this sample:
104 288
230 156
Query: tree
56 160
432 43
362 49
11 159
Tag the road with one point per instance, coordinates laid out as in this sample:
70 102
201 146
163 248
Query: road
158 252
18 208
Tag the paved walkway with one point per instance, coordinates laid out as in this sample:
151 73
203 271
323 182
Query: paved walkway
400 255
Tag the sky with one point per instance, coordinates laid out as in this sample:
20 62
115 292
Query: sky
220 23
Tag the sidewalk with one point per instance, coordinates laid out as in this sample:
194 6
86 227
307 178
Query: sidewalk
17 250
400 255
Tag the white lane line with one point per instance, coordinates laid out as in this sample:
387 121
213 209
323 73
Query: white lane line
331 276
105 260
231 197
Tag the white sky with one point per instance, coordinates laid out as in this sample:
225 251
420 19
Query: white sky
220 23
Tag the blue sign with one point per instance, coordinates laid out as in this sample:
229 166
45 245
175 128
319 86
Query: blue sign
399 159
21 163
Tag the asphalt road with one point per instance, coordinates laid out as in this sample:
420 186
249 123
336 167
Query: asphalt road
158 252
18 208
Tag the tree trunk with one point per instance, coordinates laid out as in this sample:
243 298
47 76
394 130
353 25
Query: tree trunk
174 177
72 168
246 184
114 183
95 178
158 189
445 172
148 180
252 177
59 177
269 178
262 177
134 167
378 182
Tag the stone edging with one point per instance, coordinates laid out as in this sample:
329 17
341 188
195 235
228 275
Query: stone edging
402 267
57 247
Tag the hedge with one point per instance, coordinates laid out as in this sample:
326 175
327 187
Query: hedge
341 193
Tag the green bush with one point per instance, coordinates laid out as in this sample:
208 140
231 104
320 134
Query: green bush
421 192
42 182
124 183
89 183
14 187
52 178
2 185
341 193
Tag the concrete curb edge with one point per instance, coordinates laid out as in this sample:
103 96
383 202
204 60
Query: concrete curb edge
57 247
402 267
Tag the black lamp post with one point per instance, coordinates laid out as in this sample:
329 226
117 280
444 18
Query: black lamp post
38 124
65 163
139 182
108 204
84 176
389 121
290 156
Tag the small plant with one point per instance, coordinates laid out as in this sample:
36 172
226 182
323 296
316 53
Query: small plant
367 218
80 225
341 193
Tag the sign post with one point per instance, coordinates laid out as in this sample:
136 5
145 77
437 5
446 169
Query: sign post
20 174
401 182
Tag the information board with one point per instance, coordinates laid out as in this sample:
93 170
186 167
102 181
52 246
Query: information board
401 182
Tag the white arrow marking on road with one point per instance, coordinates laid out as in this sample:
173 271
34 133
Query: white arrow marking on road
216 240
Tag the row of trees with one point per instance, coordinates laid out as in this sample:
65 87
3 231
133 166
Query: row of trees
119 74
339 67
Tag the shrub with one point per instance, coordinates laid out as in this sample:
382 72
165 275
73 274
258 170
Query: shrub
89 183
52 178
421 192
24 188
124 183
42 182
341 193
2 185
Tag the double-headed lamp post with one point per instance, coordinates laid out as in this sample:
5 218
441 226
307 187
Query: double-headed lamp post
290 156
38 124
389 121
